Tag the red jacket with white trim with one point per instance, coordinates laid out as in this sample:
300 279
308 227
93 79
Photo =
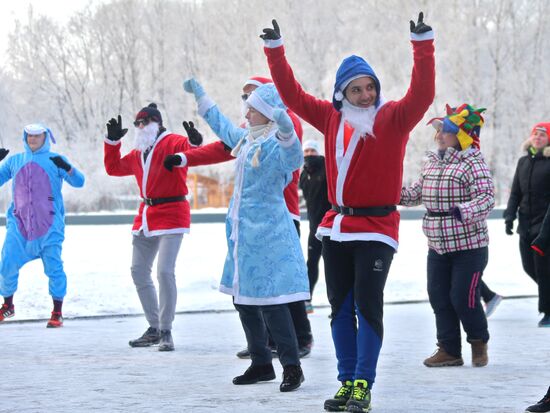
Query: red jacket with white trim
370 172
155 181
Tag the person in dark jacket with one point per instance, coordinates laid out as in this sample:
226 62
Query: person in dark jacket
529 199
313 183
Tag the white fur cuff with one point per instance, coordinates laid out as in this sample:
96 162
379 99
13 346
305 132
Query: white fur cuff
110 142
183 160
286 140
205 103
272 44
422 36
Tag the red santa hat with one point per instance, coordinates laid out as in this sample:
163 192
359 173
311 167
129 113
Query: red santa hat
257 81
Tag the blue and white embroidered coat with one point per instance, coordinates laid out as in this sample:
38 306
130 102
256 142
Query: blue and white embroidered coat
265 264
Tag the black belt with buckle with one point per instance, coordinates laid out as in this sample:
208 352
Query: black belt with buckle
157 201
379 211
438 214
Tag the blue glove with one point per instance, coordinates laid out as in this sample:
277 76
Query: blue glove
283 121
192 86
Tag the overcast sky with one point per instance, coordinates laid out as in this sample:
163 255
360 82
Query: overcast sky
59 10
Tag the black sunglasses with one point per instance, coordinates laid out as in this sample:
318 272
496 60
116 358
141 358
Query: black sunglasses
145 122
245 96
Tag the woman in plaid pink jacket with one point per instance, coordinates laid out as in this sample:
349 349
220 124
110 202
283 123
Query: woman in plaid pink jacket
457 189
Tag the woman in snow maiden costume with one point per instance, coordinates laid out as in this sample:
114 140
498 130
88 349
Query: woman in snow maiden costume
217 152
456 187
529 200
162 219
35 220
365 139
265 268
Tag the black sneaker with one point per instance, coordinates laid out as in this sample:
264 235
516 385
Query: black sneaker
545 321
245 354
303 351
150 337
338 402
542 406
166 343
292 378
359 400
256 373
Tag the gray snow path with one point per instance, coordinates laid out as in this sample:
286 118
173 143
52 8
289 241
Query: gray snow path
88 366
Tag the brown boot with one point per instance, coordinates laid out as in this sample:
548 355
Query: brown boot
479 353
442 359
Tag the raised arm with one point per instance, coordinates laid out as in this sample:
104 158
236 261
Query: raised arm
290 149
218 122
409 110
115 165
314 111
69 173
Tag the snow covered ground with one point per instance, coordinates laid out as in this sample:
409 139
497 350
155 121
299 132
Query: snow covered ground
97 263
87 365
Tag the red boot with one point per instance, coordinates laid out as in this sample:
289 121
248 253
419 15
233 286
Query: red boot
56 320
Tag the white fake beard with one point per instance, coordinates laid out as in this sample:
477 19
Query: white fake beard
361 119
145 138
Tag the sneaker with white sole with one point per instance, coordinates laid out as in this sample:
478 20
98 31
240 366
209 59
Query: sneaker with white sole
492 305
6 312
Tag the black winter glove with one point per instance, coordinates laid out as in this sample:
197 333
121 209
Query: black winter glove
3 153
114 129
60 163
271 34
509 227
172 160
455 212
420 26
193 134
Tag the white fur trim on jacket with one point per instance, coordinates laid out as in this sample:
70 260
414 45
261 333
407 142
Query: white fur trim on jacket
272 44
260 105
110 142
183 160
422 36
286 141
203 104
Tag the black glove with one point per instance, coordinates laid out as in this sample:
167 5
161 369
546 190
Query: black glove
271 34
172 160
60 163
3 153
193 134
420 27
455 212
114 129
509 227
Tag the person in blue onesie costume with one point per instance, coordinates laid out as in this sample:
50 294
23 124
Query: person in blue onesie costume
35 221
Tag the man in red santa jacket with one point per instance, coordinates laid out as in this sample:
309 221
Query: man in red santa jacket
365 139
218 152
162 219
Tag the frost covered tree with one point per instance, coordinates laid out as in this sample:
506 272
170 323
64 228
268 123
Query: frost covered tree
115 57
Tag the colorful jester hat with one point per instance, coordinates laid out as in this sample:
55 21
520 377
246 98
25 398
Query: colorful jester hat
465 122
